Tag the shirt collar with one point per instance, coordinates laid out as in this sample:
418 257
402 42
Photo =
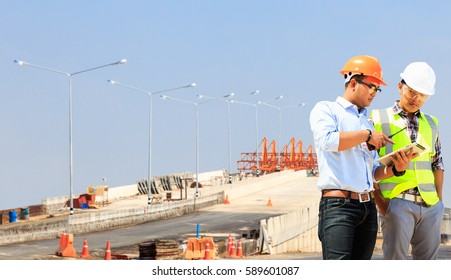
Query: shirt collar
397 110
346 104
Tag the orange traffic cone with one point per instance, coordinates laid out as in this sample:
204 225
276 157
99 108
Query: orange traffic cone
207 251
108 251
269 202
226 201
239 250
85 251
229 244
233 250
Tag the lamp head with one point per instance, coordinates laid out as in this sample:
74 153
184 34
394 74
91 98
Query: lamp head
122 61
200 96
256 92
279 97
111 82
230 95
19 62
192 85
164 97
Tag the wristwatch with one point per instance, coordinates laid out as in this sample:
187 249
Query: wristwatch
369 135
396 172
370 147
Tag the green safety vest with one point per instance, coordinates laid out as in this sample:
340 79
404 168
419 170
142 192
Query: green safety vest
419 171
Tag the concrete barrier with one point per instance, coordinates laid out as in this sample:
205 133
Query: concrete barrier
293 232
101 220
251 184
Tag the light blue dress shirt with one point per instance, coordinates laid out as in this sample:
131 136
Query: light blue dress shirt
351 169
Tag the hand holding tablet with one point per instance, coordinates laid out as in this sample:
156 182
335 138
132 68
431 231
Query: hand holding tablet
417 148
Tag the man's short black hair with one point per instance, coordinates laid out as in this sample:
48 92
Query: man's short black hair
358 77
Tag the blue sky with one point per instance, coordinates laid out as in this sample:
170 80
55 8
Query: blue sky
289 48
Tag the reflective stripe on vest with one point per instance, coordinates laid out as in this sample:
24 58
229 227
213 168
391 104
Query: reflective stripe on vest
419 172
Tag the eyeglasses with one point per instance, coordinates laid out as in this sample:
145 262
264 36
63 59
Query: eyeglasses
372 88
412 93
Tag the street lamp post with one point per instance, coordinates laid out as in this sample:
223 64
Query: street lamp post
280 115
228 99
165 97
302 104
229 103
229 134
150 94
69 75
256 130
256 123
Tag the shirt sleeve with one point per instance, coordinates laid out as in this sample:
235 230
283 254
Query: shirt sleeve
437 160
323 124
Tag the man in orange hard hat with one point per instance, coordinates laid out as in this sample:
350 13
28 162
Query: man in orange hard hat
346 143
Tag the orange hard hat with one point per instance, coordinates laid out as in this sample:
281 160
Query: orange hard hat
363 65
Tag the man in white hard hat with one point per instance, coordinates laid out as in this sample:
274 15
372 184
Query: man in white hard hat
411 202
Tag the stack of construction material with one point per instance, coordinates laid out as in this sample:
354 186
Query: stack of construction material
159 250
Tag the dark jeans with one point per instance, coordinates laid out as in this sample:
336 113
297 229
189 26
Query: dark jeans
347 228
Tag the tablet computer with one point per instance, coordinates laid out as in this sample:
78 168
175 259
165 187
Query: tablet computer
417 148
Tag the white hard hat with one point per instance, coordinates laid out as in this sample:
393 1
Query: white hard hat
420 77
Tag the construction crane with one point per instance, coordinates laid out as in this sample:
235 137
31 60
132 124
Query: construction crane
269 161
272 161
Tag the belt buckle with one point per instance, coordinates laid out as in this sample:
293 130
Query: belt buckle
418 199
362 195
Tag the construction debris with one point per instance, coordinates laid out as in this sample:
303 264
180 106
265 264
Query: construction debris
159 250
